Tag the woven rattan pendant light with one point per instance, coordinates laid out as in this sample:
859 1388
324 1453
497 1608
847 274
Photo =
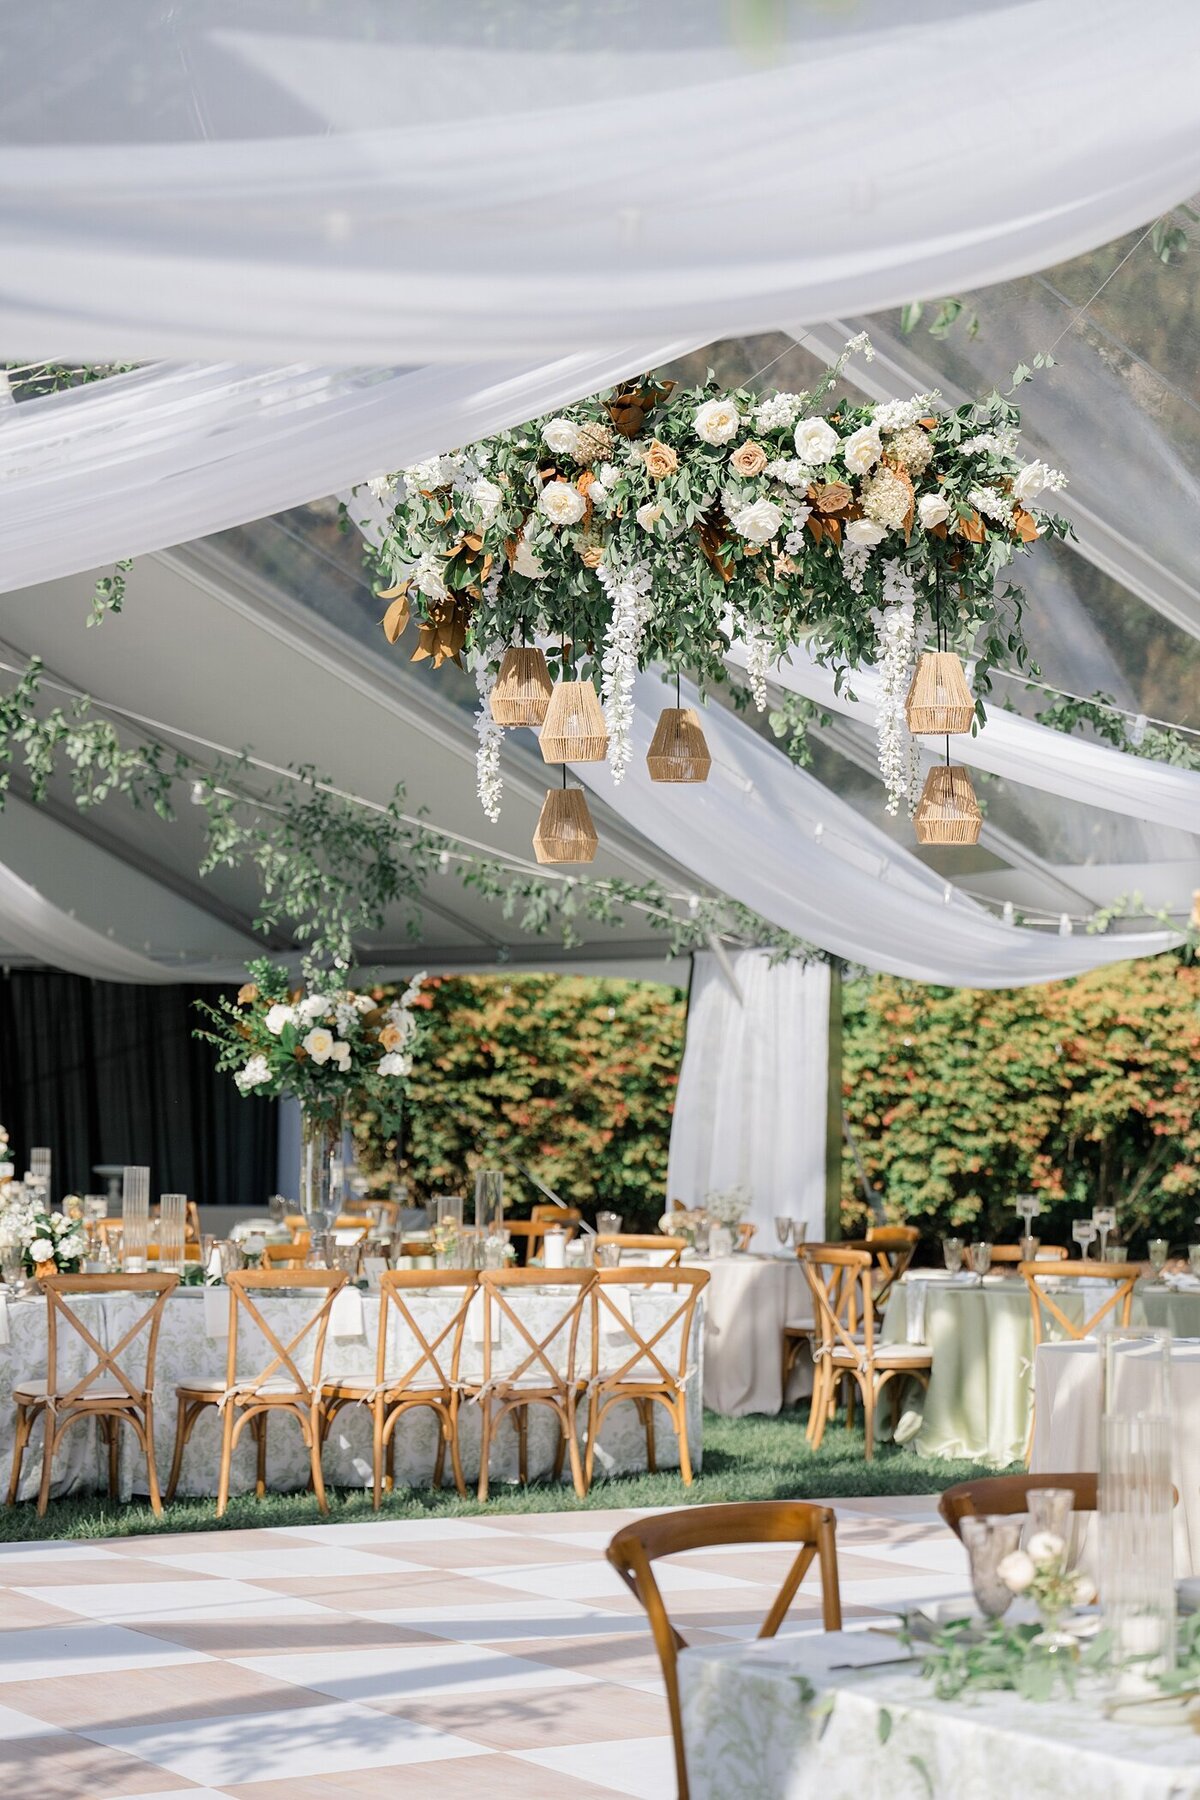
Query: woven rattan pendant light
522 691
948 812
565 833
939 701
574 729
678 751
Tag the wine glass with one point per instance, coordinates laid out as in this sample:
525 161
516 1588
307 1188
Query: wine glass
1084 1233
981 1258
952 1253
799 1232
1158 1250
783 1231
1104 1218
989 1540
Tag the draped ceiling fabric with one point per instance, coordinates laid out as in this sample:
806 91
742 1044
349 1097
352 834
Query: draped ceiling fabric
40 929
383 182
751 1106
1075 768
770 835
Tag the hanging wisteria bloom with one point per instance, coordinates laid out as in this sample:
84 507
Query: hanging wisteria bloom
758 661
488 780
628 593
899 757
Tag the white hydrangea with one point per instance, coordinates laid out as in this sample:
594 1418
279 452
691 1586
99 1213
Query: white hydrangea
896 634
427 576
434 472
998 443
256 1072
628 595
382 487
778 412
992 504
898 415
790 471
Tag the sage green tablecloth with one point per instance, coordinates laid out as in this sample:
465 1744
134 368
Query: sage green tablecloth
981 1381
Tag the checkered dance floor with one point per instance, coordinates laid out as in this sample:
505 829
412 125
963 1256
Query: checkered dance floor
456 1659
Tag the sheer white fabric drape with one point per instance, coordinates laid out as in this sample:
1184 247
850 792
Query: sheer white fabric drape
1019 749
751 1105
425 183
770 835
35 926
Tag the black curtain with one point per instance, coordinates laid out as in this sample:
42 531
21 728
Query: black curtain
105 1073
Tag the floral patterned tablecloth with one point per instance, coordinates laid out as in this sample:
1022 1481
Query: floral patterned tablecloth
194 1342
774 1720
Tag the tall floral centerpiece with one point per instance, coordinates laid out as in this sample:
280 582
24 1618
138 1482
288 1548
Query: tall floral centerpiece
327 1047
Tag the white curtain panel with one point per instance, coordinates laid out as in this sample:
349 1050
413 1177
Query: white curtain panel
375 183
751 1104
175 451
1019 749
770 835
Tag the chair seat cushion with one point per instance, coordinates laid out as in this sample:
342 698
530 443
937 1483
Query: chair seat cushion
893 1356
96 1390
212 1387
365 1384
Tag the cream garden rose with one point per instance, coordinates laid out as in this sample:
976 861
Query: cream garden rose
1016 1571
932 510
864 533
277 1017
319 1044
759 522
862 450
661 460
816 441
648 516
525 562
717 421
561 436
562 503
1030 482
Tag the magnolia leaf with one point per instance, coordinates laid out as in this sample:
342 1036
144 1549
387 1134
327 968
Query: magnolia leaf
396 618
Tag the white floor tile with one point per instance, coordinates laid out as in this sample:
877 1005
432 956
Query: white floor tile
281 1746
411 1671
83 1649
400 1531
643 1768
594 1579
21 1725
13 1555
154 1601
281 1564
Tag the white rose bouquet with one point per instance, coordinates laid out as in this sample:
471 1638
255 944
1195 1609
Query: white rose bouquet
322 1047
1041 1573
728 1207
51 1243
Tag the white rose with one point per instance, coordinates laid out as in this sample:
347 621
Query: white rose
319 1044
562 503
277 1017
256 1071
1016 1571
932 510
487 497
717 421
341 1056
816 440
1030 482
759 522
648 516
313 1006
395 1064
525 562
1045 1547
865 533
364 1003
41 1250
862 450
562 437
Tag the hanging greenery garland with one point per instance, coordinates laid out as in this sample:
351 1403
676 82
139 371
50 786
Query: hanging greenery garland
651 525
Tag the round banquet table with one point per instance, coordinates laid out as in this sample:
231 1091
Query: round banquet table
193 1342
748 1301
981 1380
1066 1434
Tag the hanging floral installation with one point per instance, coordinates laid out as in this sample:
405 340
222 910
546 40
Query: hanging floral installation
653 524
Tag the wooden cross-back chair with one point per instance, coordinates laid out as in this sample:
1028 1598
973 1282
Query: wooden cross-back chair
285 1255
892 1246
106 1391
1012 1253
666 1250
432 1353
1123 1277
250 1401
542 1369
637 1369
839 1351
1006 1494
799 1332
635 1549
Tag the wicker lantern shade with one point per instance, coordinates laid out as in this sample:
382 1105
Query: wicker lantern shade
565 833
939 702
574 729
948 812
677 750
522 691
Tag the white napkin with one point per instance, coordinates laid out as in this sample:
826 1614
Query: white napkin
613 1332
346 1313
1185 1284
216 1312
475 1322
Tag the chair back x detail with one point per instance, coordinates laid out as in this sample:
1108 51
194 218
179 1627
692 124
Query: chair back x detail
635 1549
648 1370
531 1369
1122 1276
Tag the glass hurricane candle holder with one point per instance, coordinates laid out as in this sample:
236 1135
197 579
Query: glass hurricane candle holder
135 1218
1136 1508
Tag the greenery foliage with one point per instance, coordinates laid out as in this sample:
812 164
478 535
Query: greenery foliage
573 1078
1085 1092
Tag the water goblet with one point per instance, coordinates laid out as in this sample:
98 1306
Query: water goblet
952 1253
989 1540
1029 1248
701 1232
1084 1233
1104 1218
11 1266
783 1231
981 1258
608 1224
1158 1250
608 1256
799 1232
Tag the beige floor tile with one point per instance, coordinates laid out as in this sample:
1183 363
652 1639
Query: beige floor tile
118 1571
266 1637
201 1690
21 1612
74 1769
370 1593
204 1543
507 1552
473 1778
584 1715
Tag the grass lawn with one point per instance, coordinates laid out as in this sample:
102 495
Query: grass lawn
756 1458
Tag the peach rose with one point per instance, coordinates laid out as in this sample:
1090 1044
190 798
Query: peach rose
391 1038
749 458
661 460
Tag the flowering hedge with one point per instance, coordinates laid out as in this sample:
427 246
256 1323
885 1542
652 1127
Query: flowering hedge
1086 1092
573 1077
